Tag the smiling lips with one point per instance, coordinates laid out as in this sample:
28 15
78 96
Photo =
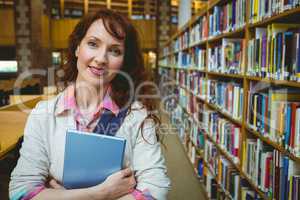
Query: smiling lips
97 71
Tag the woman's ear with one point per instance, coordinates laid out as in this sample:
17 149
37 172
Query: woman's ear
76 52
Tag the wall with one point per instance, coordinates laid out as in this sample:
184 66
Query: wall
147 31
7 32
61 29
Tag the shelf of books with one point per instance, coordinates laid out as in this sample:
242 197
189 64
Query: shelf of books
231 80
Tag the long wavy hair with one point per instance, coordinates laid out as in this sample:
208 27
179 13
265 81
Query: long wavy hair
122 29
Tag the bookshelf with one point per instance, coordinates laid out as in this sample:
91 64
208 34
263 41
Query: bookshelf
227 68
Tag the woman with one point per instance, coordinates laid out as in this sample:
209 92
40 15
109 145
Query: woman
101 46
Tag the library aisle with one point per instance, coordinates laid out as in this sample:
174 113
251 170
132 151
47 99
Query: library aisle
231 78
185 185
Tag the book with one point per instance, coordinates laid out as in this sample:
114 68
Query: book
90 158
232 56
273 173
228 17
272 112
226 95
263 9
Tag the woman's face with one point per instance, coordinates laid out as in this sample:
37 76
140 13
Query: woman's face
99 56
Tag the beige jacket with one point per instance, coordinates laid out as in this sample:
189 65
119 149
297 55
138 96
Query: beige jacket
42 152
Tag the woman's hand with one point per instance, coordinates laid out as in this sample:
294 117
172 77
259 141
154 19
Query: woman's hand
116 185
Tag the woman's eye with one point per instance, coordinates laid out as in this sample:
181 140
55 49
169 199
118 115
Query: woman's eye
115 51
92 44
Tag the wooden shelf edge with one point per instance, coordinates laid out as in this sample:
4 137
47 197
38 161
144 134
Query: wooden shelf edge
224 153
225 75
273 144
275 17
213 3
249 78
227 34
239 169
274 82
260 193
235 121
227 116
199 15
200 43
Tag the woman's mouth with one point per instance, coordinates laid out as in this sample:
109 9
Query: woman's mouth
96 71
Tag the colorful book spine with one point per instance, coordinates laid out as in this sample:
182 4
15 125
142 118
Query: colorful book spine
263 9
215 59
232 54
228 17
275 114
274 174
226 95
210 157
198 56
199 31
224 133
247 193
273 53
228 178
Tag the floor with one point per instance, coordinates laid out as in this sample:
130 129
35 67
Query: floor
185 185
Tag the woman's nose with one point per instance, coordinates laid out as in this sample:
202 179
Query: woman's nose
101 57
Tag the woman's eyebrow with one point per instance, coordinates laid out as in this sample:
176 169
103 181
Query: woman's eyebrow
116 45
98 39
95 38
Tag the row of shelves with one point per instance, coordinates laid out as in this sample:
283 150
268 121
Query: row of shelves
229 158
243 124
270 81
200 153
293 12
235 59
240 122
243 52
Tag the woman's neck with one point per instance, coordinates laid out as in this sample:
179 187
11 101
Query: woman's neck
88 97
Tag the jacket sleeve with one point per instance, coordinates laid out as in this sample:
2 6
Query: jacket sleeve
32 168
149 163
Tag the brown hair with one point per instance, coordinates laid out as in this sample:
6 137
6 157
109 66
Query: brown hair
121 28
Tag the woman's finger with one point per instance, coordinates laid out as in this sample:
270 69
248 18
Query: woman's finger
126 172
55 185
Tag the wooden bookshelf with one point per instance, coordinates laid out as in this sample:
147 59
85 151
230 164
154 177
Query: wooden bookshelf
213 3
260 193
218 184
197 16
237 166
247 32
271 143
236 76
200 43
274 82
224 114
215 107
285 15
236 33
